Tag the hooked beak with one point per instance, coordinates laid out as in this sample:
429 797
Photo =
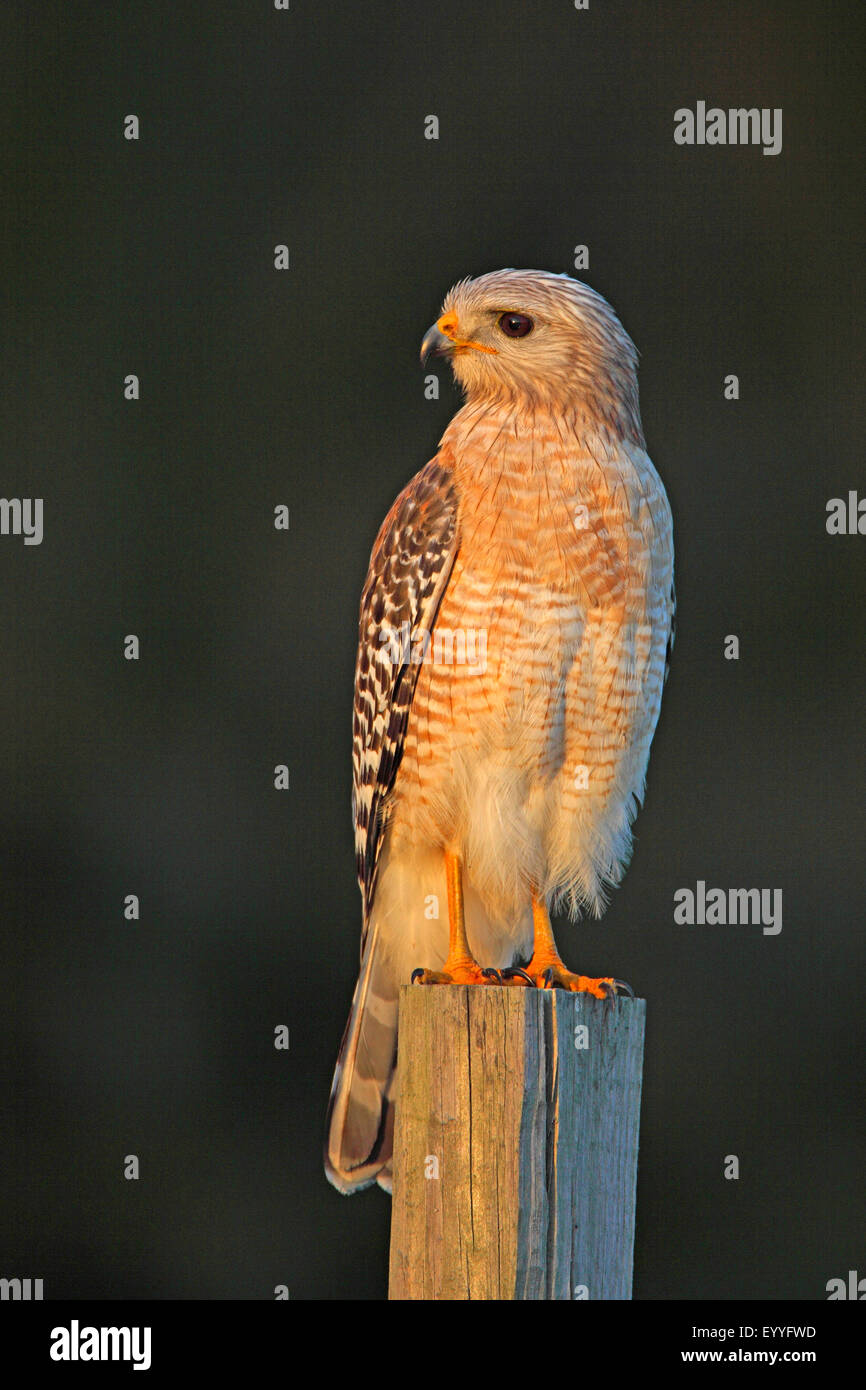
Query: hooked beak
435 342
442 339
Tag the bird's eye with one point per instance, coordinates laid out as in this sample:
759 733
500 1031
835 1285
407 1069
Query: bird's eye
516 325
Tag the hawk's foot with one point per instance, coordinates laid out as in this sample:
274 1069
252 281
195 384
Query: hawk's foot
550 973
514 975
457 972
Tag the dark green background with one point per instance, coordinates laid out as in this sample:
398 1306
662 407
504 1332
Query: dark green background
304 388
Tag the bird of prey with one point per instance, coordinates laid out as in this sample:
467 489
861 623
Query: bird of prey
515 633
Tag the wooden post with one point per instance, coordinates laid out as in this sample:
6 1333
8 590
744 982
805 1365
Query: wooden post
515 1144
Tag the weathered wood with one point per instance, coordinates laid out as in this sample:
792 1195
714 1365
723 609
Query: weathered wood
515 1144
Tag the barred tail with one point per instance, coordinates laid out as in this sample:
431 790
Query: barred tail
361 1109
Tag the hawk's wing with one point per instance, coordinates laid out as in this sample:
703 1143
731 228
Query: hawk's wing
409 568
671 634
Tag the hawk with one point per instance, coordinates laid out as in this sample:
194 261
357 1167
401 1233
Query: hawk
515 633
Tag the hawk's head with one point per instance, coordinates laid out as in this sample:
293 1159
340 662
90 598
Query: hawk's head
531 337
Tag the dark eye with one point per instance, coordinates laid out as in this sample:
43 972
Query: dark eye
516 325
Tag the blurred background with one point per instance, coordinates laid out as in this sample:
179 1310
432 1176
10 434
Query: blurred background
303 388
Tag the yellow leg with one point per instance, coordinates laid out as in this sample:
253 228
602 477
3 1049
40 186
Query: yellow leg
461 967
547 970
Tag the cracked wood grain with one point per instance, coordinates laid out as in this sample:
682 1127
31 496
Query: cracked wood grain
515 1144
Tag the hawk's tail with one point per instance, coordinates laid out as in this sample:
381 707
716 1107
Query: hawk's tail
361 1109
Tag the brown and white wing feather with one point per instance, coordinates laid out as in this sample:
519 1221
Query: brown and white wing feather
409 569
672 632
